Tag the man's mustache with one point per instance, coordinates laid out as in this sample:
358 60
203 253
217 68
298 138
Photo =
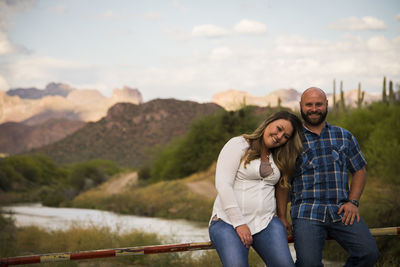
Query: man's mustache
314 112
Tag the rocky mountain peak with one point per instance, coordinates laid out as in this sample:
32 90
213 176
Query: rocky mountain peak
127 94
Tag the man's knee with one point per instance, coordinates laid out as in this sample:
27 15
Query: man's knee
371 255
368 256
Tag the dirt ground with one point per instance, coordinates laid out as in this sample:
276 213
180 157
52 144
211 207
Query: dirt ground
204 188
122 183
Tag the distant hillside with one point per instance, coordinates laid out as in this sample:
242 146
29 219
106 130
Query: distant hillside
233 99
17 137
35 106
129 132
52 89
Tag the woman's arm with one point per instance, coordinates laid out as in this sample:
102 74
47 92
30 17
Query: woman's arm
228 163
282 199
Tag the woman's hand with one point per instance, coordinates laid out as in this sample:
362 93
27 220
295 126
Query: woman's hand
245 235
287 225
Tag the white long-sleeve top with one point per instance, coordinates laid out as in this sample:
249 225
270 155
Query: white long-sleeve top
244 197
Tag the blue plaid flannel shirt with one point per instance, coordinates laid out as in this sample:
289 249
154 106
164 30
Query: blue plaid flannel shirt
321 183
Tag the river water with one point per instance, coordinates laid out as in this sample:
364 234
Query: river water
48 218
172 231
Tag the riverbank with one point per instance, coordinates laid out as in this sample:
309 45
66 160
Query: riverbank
34 223
63 219
190 198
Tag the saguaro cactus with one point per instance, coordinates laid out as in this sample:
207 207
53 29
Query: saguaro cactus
342 102
334 95
392 98
384 97
360 96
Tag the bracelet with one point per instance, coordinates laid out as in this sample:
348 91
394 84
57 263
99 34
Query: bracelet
355 202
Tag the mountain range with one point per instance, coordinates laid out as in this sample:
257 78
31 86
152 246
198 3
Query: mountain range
71 124
129 132
234 99
33 106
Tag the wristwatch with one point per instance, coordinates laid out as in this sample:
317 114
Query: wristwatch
355 202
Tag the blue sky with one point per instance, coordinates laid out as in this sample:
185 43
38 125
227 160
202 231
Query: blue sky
191 50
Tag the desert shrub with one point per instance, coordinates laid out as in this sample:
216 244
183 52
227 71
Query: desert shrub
85 175
201 145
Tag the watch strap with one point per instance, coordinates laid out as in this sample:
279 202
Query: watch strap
355 202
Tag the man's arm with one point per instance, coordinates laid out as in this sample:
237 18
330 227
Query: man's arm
358 182
282 198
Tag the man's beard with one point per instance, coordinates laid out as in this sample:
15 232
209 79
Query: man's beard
314 122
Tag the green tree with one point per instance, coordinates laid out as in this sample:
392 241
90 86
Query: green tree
85 175
200 147
383 147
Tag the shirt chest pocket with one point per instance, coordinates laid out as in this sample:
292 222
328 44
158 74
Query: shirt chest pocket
336 156
322 158
308 161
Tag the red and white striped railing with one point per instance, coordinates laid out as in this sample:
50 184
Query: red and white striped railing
131 251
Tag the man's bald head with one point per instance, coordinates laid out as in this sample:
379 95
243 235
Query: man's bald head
315 91
314 107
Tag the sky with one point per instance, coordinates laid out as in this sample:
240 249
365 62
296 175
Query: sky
191 50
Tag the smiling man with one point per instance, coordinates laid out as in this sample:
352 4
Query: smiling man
322 202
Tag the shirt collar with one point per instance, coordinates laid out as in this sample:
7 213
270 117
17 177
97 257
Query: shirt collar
326 127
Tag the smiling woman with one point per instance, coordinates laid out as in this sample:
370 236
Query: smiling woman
248 169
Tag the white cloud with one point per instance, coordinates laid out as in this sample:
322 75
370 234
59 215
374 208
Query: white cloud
60 9
220 53
6 47
109 14
209 30
379 43
250 27
180 7
358 24
396 41
243 27
3 84
8 9
26 71
151 16
398 17
287 62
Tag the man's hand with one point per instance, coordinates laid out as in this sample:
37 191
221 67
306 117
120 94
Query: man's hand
245 235
350 213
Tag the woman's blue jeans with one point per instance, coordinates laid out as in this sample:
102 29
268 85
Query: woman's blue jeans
309 238
271 244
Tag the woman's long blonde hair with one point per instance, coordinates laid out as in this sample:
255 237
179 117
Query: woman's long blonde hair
284 156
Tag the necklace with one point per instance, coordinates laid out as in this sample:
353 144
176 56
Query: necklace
267 155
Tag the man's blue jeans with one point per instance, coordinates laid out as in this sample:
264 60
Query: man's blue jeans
271 244
309 237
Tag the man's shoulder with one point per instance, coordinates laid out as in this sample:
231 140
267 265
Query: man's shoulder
338 130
